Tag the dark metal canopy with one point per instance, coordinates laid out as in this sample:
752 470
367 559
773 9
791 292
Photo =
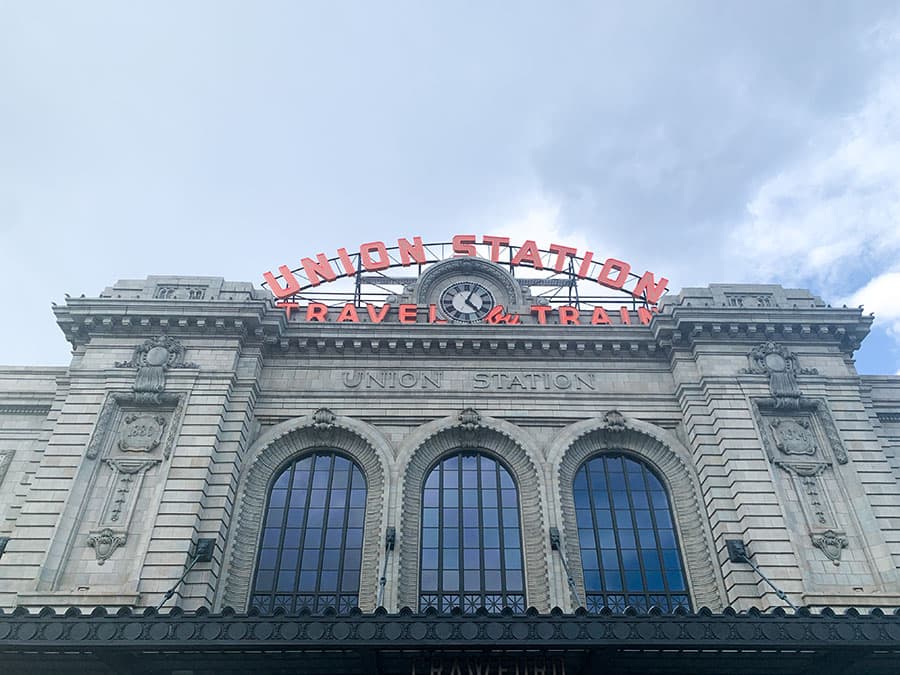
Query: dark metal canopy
199 642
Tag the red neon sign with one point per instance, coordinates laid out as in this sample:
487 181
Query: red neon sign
376 256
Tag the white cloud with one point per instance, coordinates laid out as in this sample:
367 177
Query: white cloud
834 216
830 220
882 296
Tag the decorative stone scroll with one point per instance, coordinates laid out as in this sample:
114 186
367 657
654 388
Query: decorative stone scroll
323 419
469 420
831 543
105 542
614 421
152 359
782 367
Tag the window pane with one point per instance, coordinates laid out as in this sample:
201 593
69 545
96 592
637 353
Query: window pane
472 492
317 491
626 536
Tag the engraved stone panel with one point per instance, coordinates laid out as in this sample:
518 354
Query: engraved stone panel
793 436
141 433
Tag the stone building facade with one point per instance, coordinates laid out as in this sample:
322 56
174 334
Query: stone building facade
186 397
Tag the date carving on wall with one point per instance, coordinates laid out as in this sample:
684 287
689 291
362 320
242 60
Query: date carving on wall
793 436
141 433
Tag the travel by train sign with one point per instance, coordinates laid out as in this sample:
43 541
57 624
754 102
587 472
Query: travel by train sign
564 285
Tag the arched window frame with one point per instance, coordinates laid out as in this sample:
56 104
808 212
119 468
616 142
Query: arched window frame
672 463
353 438
311 453
421 450
482 592
645 595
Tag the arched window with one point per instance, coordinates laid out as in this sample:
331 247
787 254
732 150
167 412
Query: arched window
629 551
311 548
471 540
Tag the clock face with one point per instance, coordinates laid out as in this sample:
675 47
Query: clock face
466 301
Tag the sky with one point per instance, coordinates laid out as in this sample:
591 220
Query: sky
710 142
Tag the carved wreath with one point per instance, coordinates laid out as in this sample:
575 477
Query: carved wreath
770 357
159 351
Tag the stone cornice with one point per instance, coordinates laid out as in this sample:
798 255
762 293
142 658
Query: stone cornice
83 318
686 325
534 341
677 326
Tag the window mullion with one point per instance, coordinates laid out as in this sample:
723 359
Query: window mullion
592 502
325 511
481 571
623 574
348 489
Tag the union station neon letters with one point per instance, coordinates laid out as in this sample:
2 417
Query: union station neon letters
375 256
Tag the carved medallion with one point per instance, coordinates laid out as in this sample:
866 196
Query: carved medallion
141 433
793 437
105 542
832 544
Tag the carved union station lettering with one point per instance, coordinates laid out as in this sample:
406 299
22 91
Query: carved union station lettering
534 381
498 381
392 379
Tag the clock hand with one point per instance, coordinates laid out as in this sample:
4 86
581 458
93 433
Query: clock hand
468 300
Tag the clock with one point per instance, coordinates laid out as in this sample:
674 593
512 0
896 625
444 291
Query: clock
466 301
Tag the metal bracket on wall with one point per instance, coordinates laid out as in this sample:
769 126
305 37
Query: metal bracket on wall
556 545
203 552
737 552
390 539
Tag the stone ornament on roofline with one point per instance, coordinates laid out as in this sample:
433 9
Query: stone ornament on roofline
152 359
781 365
